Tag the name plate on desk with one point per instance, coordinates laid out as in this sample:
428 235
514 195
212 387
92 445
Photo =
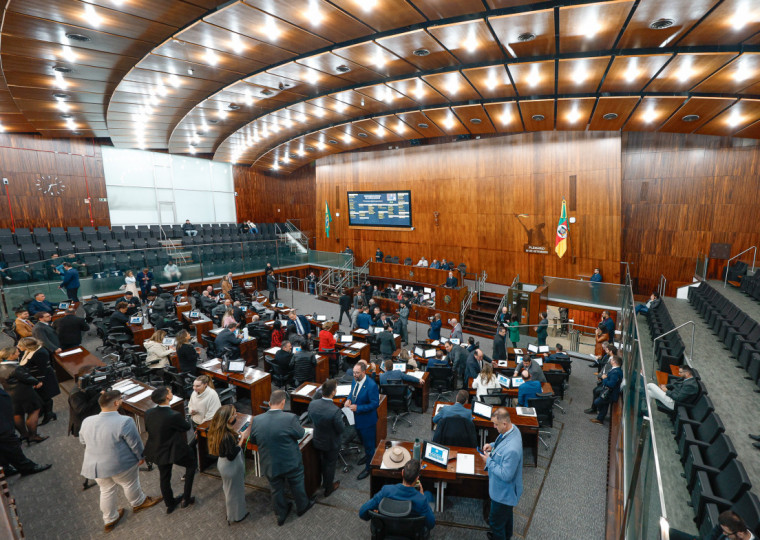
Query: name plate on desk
72 351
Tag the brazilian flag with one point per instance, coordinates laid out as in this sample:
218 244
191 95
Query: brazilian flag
328 219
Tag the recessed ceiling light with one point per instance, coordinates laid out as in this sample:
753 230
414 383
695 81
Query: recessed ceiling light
309 148
65 116
661 24
610 116
266 92
690 118
233 106
213 121
527 36
78 37
293 156
190 71
332 141
538 117
421 52
362 135
475 121
342 68
193 144
62 69
422 125
59 95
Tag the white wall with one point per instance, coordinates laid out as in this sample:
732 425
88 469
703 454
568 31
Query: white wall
137 181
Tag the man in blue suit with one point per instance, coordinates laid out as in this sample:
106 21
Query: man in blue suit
364 400
457 409
301 324
70 282
435 327
504 461
39 304
364 319
611 380
528 389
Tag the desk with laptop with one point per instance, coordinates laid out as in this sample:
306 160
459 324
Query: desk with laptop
249 350
421 392
253 383
141 330
509 386
352 350
61 308
200 322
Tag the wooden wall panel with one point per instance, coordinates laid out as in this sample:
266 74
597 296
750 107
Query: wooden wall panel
275 199
682 193
75 162
478 189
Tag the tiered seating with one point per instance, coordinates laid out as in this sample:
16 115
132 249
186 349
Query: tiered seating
750 285
738 331
670 349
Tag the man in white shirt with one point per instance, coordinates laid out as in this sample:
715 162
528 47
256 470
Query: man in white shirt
422 262
204 402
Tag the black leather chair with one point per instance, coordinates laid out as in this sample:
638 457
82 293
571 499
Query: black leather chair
722 489
392 520
544 406
747 507
711 459
399 402
701 435
441 380
456 431
281 378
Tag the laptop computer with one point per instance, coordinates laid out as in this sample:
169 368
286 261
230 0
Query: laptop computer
503 380
543 348
135 320
419 351
168 342
400 366
532 348
517 382
63 305
234 366
280 305
430 353
482 410
346 338
436 454
194 314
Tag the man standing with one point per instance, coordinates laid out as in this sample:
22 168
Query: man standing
69 329
272 286
611 380
596 277
133 304
277 433
543 329
301 324
327 419
112 456
189 228
403 315
363 400
70 282
39 304
22 325
609 324
456 329
457 357
474 365
45 333
504 460
378 255
436 324
500 344
167 446
312 281
145 280
364 320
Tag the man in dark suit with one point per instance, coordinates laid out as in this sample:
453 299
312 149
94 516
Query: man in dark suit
226 339
474 364
387 342
378 255
39 304
363 400
500 344
167 446
612 381
119 316
301 324
70 282
45 333
145 282
457 357
207 302
283 359
12 458
304 364
238 313
345 306
457 409
451 281
69 329
327 420
132 302
272 286
609 325
277 433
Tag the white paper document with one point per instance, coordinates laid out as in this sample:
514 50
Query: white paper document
358 345
210 363
361 331
131 389
306 390
121 384
272 350
343 390
416 374
174 400
465 463
435 343
215 331
140 396
526 411
518 351
349 415
73 351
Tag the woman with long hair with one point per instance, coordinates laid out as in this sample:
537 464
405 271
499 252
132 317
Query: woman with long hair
20 385
406 357
186 353
36 359
228 445
277 333
130 283
157 351
601 335
229 317
485 380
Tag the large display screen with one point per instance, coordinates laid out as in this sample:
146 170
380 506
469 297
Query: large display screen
380 208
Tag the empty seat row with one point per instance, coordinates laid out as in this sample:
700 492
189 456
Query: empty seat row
750 286
670 349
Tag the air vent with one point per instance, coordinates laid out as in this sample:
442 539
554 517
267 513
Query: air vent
362 135
610 116
213 121
62 69
78 37
342 68
475 121
527 36
661 24
538 117
422 125
421 52
233 106
332 141
266 92
59 95
66 116
690 118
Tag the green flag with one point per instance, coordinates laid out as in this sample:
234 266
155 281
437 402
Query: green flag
328 219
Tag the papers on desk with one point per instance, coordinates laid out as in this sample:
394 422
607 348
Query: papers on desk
349 414
122 384
174 400
439 407
306 390
465 463
321 318
215 331
210 363
435 343
272 350
140 396
416 374
361 331
526 411
183 303
518 351
501 363
131 389
72 351
343 390
358 345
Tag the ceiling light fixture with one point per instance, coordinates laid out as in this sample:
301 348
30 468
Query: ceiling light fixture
742 73
63 106
270 29
610 116
311 77
67 53
492 82
91 16
690 118
506 117
534 77
650 115
275 167
632 72
236 44
526 36
591 29
379 60
70 124
538 117
301 118
343 68
740 17
59 81
735 118
471 43
400 127
685 72
211 58
574 115
78 37
449 122
366 5
580 74
314 14
452 87
419 90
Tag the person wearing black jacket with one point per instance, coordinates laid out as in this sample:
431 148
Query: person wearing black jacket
186 354
119 316
226 339
283 359
304 364
272 287
327 420
387 342
20 384
345 306
167 446
679 391
12 458
238 313
45 333
133 303
69 329
500 344
37 360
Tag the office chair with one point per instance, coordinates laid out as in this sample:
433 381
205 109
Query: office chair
544 406
399 401
441 377
11 334
456 431
392 520
349 436
180 383
283 380
558 380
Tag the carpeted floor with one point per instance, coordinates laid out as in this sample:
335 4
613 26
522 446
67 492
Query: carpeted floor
564 497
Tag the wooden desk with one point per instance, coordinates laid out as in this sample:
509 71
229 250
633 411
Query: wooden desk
139 408
321 370
546 388
141 333
364 338
202 325
309 456
512 355
421 391
410 274
249 349
318 325
255 383
68 366
300 403
512 365
434 477
58 313
183 307
348 351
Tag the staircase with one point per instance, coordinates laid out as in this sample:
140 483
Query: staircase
479 319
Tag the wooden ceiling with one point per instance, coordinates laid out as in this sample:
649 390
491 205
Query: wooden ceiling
278 83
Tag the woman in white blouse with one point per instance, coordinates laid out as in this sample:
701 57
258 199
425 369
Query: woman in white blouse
131 283
157 350
485 380
204 402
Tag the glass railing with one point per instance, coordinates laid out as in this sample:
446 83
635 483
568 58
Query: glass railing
104 272
589 293
701 269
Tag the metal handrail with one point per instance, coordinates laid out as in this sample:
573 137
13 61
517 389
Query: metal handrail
515 281
481 283
728 263
691 350
663 284
466 305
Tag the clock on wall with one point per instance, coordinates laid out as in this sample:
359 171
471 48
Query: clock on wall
50 185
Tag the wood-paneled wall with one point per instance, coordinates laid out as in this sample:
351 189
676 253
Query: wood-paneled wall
75 162
478 188
681 193
275 199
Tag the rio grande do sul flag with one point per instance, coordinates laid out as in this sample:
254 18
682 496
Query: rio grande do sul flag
328 219
560 245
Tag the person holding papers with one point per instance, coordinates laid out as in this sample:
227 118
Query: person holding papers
204 402
504 461
328 423
528 389
457 409
363 400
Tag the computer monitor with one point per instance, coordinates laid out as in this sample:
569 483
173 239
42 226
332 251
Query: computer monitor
378 329
455 341
243 308
194 314
430 353
280 305
532 348
543 349
168 342
321 318
436 454
63 305
400 366
135 320
236 366
419 351
427 290
346 338
517 382
538 360
503 380
482 410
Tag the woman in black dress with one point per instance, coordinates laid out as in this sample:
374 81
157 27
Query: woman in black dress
186 353
37 360
20 385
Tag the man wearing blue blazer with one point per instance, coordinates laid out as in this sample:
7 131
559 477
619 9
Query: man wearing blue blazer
611 380
364 400
70 282
504 461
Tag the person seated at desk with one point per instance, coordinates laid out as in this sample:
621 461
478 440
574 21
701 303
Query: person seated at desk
157 351
422 262
207 301
436 324
189 228
39 305
219 310
536 371
438 360
157 305
119 317
596 277
559 355
187 355
133 303
364 320
682 390
409 490
300 323
435 265
69 329
227 340
387 342
304 364
283 359
277 334
395 376
204 401
22 325
456 409
485 380
348 251
406 357
445 265
528 389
